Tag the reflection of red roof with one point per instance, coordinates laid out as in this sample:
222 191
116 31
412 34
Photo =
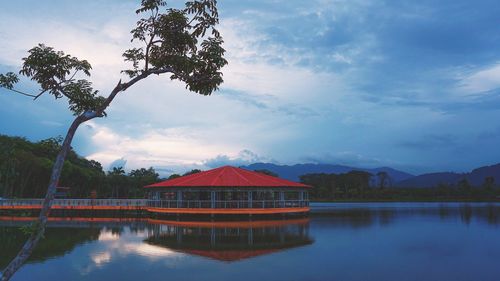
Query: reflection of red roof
228 176
230 255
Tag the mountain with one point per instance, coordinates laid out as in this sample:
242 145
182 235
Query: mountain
293 172
475 177
431 180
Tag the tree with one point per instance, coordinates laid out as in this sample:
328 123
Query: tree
489 183
183 43
464 186
267 172
117 180
140 178
383 179
173 176
193 171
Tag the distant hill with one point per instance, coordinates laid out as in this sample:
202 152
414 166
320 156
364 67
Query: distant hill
293 172
431 180
475 177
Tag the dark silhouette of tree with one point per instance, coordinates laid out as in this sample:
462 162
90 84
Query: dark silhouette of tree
174 176
464 186
267 172
183 43
489 183
383 179
118 182
193 171
140 178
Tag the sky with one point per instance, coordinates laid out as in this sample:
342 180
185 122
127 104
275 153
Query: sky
414 85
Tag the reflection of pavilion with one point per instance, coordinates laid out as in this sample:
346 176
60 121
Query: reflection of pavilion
230 241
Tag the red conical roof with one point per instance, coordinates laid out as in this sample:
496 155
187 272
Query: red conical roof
230 177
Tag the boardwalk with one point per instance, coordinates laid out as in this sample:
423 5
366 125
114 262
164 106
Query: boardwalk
165 206
75 204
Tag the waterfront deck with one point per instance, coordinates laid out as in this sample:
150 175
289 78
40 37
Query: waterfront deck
191 207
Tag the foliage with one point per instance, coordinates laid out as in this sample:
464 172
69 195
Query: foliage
8 80
55 72
359 186
174 176
176 41
25 169
330 186
267 172
194 171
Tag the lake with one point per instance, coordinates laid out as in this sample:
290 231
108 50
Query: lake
339 241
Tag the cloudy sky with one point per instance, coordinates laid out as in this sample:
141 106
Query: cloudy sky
414 85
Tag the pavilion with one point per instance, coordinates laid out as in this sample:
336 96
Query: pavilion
228 190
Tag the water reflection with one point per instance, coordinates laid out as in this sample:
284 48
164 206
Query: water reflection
58 242
230 241
365 241
225 241
367 214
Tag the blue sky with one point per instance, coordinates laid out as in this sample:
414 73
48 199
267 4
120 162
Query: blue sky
414 85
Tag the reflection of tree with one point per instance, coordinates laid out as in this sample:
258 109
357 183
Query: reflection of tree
358 217
57 242
466 213
492 211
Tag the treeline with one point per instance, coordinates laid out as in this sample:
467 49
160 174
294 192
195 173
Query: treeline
25 169
359 185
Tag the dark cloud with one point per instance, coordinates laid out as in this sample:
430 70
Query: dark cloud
270 103
444 141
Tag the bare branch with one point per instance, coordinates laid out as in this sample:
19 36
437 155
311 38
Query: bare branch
41 93
124 86
22 93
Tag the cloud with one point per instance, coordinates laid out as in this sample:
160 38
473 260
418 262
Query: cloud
443 141
244 157
360 82
348 158
118 163
168 149
481 81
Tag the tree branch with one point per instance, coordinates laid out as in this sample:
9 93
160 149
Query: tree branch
23 93
41 93
148 45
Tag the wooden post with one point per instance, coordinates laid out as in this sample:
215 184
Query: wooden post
249 195
282 199
212 199
179 198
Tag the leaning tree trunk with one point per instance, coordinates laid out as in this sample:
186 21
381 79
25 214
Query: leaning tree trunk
39 226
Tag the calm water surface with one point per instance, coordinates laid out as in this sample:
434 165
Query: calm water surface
342 241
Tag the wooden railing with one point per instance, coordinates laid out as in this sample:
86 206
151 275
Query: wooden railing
141 203
241 204
76 202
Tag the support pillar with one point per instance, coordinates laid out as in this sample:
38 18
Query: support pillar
282 199
179 198
249 196
212 199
